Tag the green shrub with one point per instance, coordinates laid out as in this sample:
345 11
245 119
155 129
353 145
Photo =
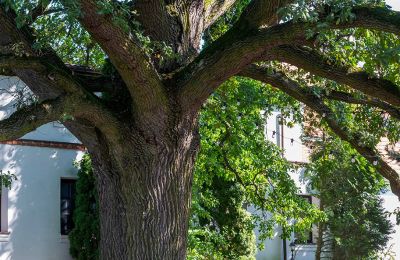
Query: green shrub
85 236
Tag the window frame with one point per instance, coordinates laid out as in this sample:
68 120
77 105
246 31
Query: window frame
70 180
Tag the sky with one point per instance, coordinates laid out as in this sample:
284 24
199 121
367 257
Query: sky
395 4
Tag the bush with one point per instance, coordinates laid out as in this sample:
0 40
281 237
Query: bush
85 236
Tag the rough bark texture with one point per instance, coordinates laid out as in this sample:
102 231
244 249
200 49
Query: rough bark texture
145 193
317 64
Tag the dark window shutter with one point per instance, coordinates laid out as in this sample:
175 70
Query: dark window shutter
67 205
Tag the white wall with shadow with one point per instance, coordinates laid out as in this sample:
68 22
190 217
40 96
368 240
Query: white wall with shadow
34 202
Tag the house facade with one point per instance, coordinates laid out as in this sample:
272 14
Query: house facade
289 139
35 211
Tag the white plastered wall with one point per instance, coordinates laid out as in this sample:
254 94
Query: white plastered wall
30 211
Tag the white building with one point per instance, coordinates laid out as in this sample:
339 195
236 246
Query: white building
31 210
294 151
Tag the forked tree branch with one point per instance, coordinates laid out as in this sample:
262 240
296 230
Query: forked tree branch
239 48
133 65
214 9
48 78
227 56
317 64
42 8
290 87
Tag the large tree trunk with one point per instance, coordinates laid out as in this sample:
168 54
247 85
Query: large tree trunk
144 191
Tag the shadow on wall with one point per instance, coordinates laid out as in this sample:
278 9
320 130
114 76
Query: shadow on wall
34 201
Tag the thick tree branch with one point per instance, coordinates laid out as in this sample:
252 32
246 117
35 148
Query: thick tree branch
46 75
227 56
129 59
29 118
9 62
239 48
374 102
262 13
377 18
42 8
215 9
317 64
311 100
71 107
177 23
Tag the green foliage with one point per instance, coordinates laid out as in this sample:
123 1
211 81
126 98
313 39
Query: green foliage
61 31
221 228
225 22
73 44
348 187
336 11
6 178
85 236
237 166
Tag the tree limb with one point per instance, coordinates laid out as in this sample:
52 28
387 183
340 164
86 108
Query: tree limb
377 18
42 8
319 65
262 13
215 9
29 118
176 23
9 62
227 56
71 107
311 100
129 59
239 48
47 77
349 98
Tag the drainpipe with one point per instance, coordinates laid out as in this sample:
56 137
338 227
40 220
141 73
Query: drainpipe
283 155
284 250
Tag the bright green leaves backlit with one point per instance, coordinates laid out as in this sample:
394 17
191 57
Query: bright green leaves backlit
59 29
73 44
378 54
237 166
334 11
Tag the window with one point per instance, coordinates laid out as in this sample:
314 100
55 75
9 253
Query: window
67 205
307 236
279 131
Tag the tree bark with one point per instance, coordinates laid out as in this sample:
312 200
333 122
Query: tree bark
144 191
